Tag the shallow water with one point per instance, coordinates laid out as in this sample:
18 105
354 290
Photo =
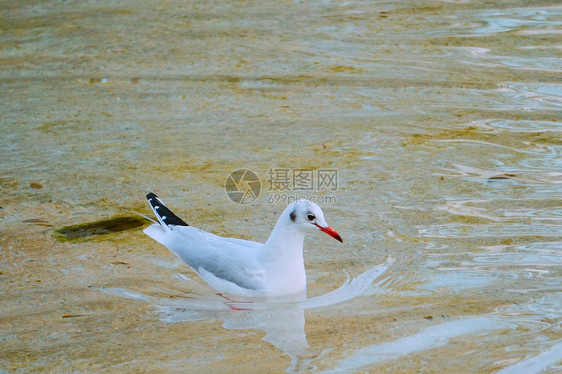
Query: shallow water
442 120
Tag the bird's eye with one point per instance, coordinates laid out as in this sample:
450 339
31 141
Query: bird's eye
310 217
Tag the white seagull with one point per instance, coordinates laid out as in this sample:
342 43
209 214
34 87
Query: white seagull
243 267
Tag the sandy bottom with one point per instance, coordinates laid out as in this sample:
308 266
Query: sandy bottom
439 122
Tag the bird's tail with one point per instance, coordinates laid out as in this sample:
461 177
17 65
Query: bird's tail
164 215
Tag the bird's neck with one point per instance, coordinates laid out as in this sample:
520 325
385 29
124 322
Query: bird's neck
284 246
282 256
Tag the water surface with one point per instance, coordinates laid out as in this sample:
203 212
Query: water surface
441 118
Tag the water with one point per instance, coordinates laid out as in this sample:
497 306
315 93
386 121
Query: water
442 120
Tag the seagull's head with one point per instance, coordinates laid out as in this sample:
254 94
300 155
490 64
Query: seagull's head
308 216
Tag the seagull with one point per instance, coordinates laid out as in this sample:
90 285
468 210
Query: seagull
242 267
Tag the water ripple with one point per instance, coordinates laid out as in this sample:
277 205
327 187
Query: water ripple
513 19
515 230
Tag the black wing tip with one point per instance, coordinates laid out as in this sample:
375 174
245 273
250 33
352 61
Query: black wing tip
162 211
154 201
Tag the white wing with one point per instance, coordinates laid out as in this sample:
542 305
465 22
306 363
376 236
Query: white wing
227 264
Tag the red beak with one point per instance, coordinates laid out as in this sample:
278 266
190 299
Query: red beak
330 231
